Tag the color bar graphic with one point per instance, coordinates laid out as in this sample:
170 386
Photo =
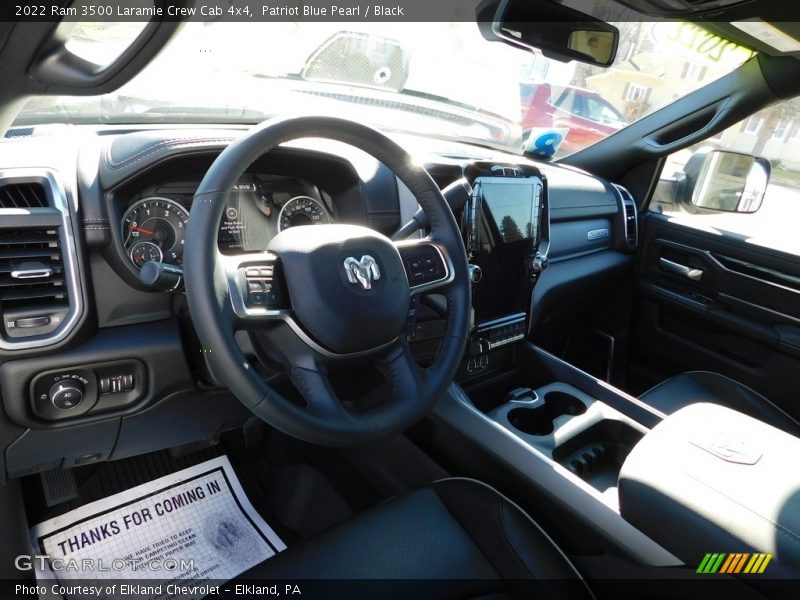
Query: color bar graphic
734 563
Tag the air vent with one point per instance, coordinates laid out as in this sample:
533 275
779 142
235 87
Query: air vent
630 217
501 171
22 195
33 290
40 299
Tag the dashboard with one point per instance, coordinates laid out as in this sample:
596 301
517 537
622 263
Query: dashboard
111 199
153 225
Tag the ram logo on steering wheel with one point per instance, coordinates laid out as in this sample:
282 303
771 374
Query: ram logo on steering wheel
364 271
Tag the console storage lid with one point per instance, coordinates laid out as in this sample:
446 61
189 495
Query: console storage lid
708 479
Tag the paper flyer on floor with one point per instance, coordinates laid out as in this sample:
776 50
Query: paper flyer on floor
193 525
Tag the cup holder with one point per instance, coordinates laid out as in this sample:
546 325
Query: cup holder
539 420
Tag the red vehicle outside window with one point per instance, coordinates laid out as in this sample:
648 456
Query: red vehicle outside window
588 117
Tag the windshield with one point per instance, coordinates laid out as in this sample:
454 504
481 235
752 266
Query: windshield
435 79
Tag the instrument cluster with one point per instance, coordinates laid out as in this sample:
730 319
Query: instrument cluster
258 208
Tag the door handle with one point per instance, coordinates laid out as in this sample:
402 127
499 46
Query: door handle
682 270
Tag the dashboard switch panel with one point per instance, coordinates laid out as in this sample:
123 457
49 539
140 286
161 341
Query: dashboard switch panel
116 384
94 388
64 393
500 332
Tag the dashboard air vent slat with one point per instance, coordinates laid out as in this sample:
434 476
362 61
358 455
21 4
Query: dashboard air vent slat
12 253
31 268
23 195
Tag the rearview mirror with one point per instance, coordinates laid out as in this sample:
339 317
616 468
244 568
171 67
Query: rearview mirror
726 181
558 32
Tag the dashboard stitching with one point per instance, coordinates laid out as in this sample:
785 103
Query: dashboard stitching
173 143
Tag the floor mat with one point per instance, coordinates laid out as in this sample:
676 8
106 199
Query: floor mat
272 486
106 479
194 524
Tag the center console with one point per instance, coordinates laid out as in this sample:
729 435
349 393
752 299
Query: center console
560 430
719 481
507 235
664 490
563 433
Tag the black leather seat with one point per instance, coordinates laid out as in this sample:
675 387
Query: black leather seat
704 386
458 530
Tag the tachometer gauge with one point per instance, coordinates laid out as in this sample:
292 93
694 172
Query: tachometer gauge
154 229
302 210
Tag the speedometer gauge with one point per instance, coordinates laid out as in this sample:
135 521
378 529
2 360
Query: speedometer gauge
154 229
302 210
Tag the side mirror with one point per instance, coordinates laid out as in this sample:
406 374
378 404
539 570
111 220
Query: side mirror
725 181
558 32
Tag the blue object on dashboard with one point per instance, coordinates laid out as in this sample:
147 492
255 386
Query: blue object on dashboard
543 142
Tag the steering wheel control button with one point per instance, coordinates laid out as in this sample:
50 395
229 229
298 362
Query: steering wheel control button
262 288
424 265
258 299
67 394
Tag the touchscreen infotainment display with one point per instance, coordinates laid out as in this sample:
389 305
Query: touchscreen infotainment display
514 208
507 234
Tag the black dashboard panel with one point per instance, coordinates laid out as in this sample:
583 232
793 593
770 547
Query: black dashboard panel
578 195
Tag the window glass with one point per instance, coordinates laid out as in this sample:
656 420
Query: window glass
566 99
597 110
725 209
103 43
382 74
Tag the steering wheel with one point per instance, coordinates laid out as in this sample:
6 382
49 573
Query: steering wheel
334 294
